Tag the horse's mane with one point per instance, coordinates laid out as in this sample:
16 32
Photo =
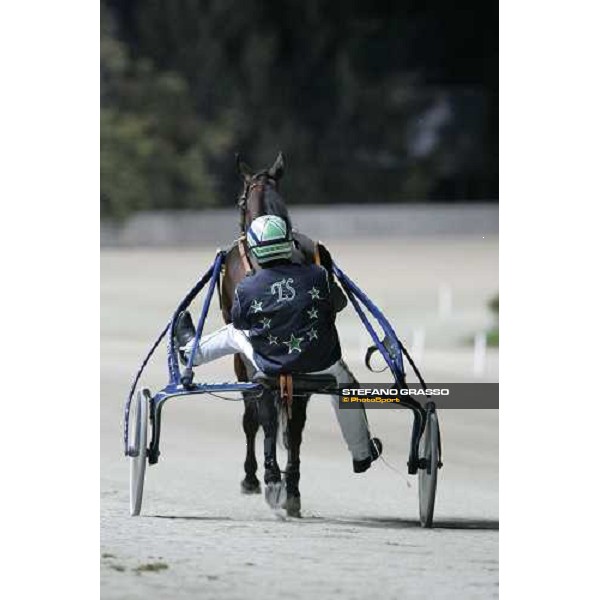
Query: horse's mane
273 205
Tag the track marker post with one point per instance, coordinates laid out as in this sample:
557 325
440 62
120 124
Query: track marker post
418 344
444 301
479 353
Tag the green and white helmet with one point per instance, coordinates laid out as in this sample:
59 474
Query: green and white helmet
269 239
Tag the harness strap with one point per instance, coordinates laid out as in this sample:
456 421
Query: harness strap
286 392
317 255
243 255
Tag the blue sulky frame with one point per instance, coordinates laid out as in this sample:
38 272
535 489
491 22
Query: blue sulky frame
180 384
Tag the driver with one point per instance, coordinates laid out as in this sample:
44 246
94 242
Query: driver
283 321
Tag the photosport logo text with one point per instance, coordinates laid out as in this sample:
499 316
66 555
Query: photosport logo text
446 395
387 395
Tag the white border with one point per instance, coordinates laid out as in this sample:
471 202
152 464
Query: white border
49 55
549 298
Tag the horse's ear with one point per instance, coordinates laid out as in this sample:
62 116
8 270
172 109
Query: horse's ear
276 171
242 168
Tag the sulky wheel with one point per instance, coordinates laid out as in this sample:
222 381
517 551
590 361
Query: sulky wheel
429 458
138 449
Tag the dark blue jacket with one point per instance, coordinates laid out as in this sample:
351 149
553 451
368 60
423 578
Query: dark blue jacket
289 310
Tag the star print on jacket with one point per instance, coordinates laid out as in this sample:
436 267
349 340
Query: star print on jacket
287 311
256 306
314 293
293 343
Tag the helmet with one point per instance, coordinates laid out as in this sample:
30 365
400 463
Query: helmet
268 239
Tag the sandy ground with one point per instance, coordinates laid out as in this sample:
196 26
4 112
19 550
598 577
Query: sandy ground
359 535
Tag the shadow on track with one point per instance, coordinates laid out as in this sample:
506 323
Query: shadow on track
191 518
368 522
394 523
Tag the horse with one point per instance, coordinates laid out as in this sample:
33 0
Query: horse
260 196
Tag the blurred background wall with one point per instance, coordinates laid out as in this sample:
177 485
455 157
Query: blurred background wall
372 102
353 223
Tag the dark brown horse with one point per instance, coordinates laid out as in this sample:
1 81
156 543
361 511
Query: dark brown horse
260 196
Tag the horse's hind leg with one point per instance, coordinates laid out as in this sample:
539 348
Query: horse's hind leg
250 422
268 417
292 471
250 483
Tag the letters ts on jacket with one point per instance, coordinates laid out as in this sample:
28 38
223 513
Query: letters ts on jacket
289 312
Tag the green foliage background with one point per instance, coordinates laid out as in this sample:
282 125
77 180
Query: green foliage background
371 102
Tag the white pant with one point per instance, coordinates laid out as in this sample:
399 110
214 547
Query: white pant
229 340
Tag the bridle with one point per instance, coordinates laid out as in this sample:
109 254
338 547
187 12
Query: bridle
257 181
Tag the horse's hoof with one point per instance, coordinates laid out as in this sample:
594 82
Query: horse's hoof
275 494
292 506
250 486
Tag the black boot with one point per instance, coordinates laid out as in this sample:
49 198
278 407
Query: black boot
376 448
184 332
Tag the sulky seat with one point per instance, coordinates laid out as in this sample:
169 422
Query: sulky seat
302 383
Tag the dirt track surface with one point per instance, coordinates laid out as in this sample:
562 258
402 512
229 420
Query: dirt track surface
198 537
